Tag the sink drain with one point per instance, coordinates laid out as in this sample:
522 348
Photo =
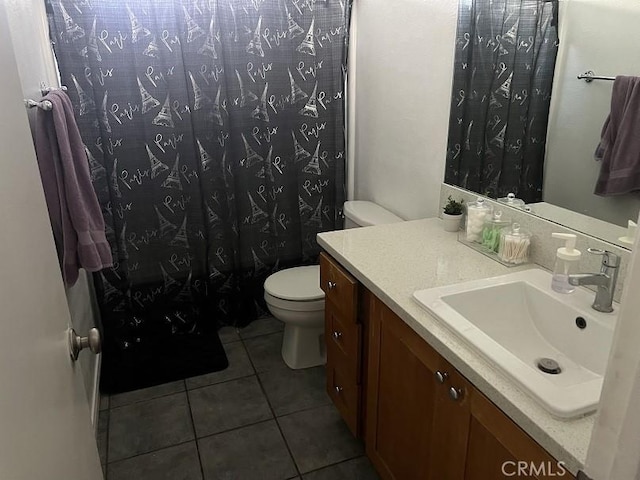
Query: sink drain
549 365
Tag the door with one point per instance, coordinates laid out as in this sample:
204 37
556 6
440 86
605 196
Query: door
45 426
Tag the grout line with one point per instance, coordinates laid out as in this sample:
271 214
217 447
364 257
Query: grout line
305 409
259 335
275 419
192 389
236 428
152 451
337 463
153 397
193 427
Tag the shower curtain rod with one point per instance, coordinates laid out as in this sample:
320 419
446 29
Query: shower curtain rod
590 76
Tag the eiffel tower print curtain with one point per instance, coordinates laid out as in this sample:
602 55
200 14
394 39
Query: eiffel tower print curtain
214 130
503 73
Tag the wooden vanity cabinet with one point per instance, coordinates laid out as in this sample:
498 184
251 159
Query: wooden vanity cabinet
419 417
414 430
343 340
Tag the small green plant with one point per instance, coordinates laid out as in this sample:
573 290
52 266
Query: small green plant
453 207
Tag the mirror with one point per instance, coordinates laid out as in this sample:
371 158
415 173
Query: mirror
557 182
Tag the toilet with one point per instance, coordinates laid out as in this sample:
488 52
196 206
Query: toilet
294 296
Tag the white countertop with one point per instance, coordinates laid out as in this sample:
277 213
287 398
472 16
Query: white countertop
393 261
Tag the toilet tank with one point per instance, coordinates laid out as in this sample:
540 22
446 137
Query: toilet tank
358 213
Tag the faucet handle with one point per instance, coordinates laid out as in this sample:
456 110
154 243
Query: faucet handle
609 259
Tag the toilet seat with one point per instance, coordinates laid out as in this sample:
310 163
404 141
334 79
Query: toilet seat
294 306
295 285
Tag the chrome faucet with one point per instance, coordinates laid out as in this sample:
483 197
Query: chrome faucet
605 280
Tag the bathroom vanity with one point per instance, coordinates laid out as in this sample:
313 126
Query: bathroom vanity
425 403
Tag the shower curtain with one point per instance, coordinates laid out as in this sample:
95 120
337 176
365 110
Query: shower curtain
503 73
215 135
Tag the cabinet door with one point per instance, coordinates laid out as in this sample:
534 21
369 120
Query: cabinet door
497 447
450 425
401 392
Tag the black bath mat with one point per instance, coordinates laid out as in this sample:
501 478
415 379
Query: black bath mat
155 350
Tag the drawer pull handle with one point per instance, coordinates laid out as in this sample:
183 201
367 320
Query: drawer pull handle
456 394
338 389
337 335
441 377
331 285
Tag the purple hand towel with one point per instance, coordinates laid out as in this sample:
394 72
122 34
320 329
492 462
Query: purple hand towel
76 218
619 147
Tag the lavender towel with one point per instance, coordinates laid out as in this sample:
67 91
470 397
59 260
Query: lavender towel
76 219
619 147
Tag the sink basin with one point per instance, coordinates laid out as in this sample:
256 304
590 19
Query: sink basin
530 332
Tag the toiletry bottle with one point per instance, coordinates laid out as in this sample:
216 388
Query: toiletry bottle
567 259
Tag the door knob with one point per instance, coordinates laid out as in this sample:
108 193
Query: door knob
456 394
441 377
338 389
331 285
78 343
337 335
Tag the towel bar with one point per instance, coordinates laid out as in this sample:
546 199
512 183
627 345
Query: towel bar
44 105
44 89
590 76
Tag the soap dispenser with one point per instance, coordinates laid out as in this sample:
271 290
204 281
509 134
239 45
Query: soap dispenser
567 259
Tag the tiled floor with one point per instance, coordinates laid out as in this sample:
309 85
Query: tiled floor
255 420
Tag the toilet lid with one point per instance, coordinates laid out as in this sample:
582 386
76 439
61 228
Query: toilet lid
297 284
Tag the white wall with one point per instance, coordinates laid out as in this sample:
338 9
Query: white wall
602 36
615 443
404 69
28 25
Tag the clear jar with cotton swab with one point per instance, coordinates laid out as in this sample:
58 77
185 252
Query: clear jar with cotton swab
515 244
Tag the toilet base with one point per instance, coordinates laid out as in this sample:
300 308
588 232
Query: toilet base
303 347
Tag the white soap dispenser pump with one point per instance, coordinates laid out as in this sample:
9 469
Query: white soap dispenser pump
567 259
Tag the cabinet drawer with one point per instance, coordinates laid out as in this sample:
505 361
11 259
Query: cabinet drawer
345 395
344 343
339 287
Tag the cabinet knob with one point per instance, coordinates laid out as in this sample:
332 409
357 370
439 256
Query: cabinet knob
338 389
441 377
456 394
337 335
331 285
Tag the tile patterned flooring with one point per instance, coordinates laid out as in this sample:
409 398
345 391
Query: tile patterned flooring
257 419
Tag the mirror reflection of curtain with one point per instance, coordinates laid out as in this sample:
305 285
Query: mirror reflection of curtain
215 136
503 74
